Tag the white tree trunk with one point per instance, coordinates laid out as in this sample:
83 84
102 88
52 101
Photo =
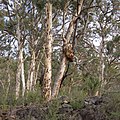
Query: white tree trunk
20 69
59 77
68 35
18 81
36 72
18 65
32 72
20 75
101 66
22 72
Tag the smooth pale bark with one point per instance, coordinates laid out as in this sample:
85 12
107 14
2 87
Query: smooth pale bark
72 23
22 72
101 67
20 69
32 72
36 72
18 81
68 35
31 81
20 75
28 82
59 77
32 78
18 65
48 52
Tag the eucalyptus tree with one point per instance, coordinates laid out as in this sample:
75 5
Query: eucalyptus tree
34 42
67 33
66 40
12 28
105 32
32 33
97 23
103 25
51 35
48 52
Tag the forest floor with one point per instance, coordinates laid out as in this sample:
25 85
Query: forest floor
92 108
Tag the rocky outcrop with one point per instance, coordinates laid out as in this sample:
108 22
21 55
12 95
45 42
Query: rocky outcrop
93 109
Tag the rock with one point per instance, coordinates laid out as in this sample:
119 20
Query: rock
94 109
94 100
75 115
63 99
65 108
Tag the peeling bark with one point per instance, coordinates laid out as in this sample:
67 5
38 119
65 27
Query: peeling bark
67 37
48 52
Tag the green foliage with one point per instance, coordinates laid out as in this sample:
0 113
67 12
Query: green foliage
91 85
1 21
113 106
110 47
75 95
1 24
83 73
3 103
113 46
116 39
33 96
77 104
40 4
53 109
115 115
77 99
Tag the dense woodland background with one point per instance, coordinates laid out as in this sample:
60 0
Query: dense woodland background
34 61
